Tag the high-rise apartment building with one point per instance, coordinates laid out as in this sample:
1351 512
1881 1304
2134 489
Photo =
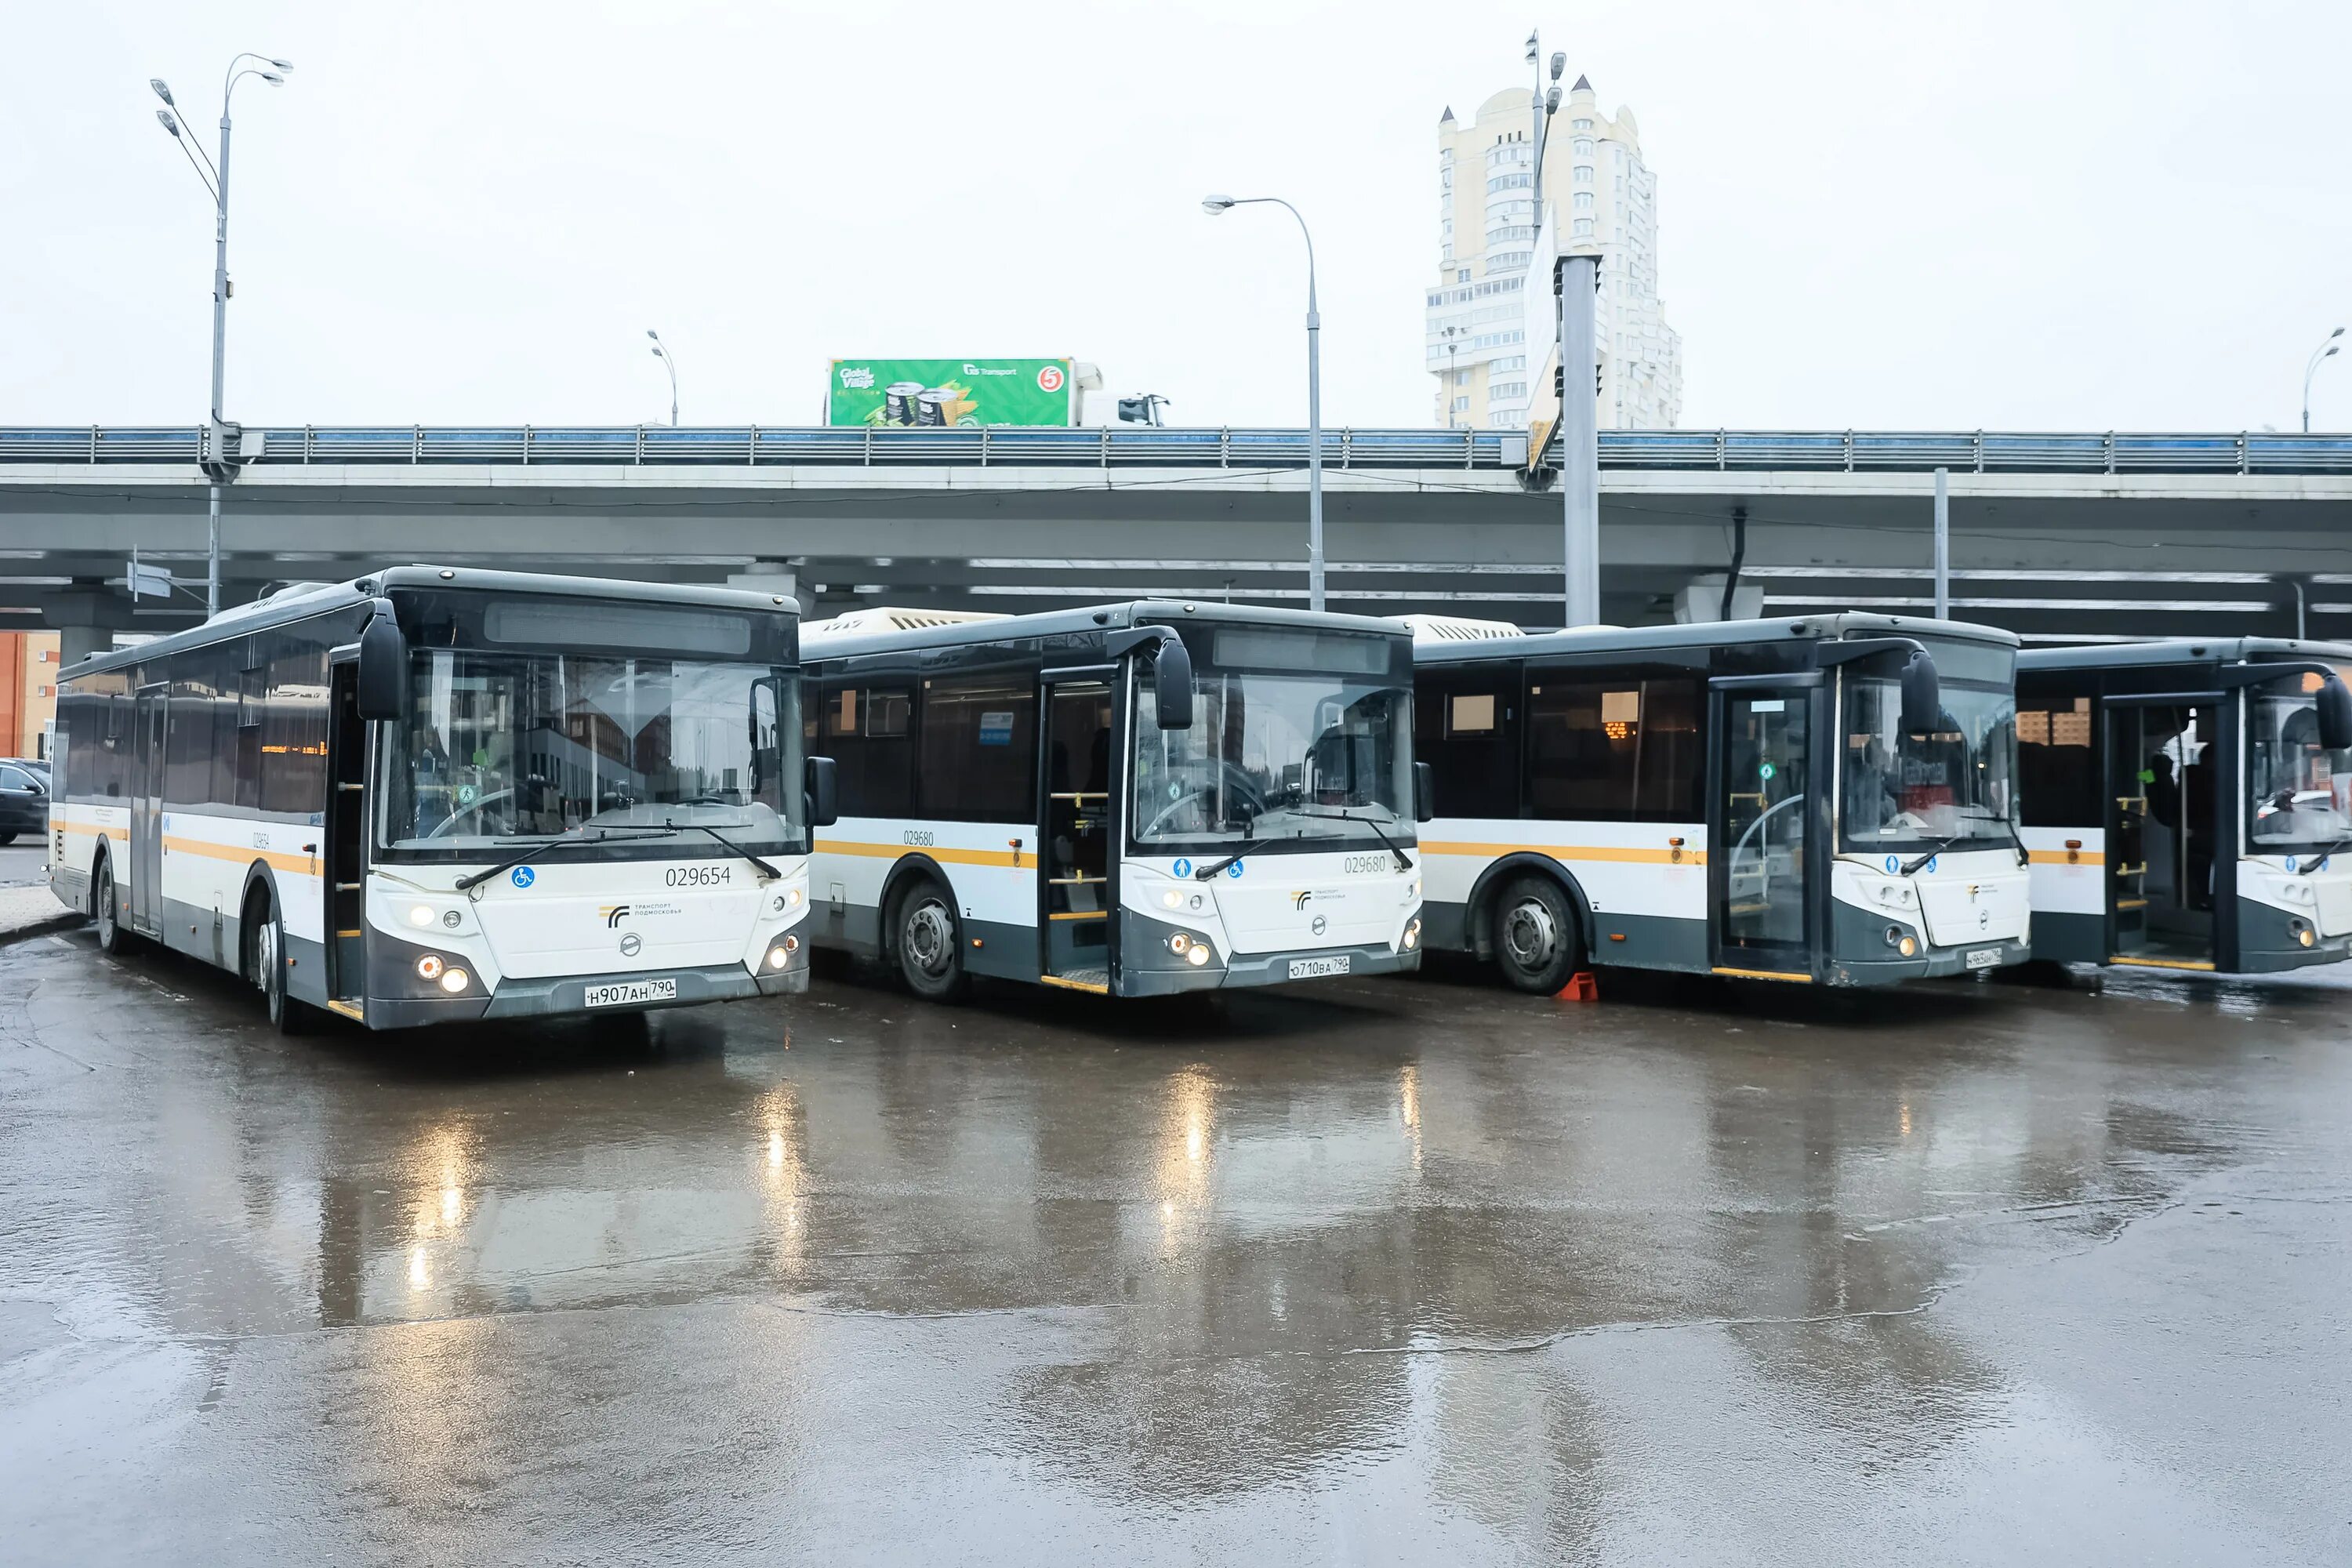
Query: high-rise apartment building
1598 192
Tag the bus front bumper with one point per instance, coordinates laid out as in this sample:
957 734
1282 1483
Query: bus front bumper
1148 968
557 995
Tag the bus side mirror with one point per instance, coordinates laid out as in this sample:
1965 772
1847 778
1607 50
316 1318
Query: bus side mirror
1172 680
2334 706
823 808
1923 696
384 666
1424 791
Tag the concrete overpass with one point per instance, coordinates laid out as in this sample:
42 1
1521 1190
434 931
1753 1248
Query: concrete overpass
2053 535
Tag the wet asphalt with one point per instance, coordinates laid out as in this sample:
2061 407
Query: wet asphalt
1385 1271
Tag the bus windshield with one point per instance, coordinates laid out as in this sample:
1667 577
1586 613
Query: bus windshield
1312 744
2301 795
499 747
1914 792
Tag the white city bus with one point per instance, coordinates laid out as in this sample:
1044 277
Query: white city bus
2187 802
1133 800
437 794
1827 799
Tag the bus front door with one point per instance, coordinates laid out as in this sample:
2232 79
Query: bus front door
1757 836
2160 806
147 812
346 839
1077 829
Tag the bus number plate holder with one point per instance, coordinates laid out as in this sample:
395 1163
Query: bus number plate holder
1315 968
621 993
1983 957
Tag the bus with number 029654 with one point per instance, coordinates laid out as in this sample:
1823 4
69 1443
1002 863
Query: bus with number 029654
434 794
1134 800
1828 799
2189 803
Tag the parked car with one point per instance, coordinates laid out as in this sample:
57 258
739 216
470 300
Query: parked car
24 798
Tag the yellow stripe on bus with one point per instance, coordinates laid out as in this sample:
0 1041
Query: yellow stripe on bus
276 860
2067 857
1571 852
952 856
1764 975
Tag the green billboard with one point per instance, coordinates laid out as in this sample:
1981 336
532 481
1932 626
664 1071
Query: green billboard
946 391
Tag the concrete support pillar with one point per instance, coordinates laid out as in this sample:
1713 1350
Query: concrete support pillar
1577 280
774 577
77 643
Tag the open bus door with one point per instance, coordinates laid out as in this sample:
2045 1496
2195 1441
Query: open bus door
2160 804
1759 827
346 840
1077 830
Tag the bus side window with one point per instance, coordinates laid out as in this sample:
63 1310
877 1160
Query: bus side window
863 731
2057 774
1467 724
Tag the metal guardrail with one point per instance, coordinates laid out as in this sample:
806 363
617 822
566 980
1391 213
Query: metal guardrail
1849 451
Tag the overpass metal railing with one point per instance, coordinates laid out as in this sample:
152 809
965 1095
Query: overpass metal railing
1850 451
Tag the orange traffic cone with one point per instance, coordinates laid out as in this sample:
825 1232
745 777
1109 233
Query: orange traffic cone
1580 987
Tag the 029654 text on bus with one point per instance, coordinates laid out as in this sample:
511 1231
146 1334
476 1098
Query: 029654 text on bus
1827 800
437 795
1136 799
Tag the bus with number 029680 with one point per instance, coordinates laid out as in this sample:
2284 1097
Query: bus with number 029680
2189 803
1827 799
1134 800
434 794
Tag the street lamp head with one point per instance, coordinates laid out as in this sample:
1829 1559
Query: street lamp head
1558 64
653 334
1213 206
273 79
1551 100
162 88
2333 350
2336 333
657 353
170 124
1534 49
283 65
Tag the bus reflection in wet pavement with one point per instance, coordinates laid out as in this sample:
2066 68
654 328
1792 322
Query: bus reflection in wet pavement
1388 1270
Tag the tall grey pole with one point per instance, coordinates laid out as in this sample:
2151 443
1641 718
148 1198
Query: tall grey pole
220 349
1943 544
1314 435
1578 278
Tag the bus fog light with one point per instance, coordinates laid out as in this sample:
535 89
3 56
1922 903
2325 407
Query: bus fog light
454 981
1894 936
429 966
1413 935
1199 955
422 915
1907 947
2303 934
1178 943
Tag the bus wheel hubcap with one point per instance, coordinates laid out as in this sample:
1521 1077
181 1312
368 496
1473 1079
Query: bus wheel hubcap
105 903
265 952
1529 934
930 938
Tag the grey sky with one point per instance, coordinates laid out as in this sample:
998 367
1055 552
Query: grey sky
2021 215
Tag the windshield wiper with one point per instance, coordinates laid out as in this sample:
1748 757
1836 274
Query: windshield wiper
1911 867
767 872
1404 862
576 835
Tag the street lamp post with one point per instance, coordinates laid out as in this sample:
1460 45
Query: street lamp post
2326 350
1541 108
661 352
218 187
1213 206
1452 373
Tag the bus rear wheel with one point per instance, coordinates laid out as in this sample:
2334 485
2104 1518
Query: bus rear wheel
930 948
1536 939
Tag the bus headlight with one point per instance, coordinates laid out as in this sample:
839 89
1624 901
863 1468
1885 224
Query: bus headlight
1413 934
781 954
429 967
1902 940
787 900
1199 955
422 915
454 981
1172 899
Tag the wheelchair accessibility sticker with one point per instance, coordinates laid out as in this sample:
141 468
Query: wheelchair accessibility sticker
524 876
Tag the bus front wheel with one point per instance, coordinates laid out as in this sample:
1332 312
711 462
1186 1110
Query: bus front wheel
286 1015
1535 938
931 949
113 937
